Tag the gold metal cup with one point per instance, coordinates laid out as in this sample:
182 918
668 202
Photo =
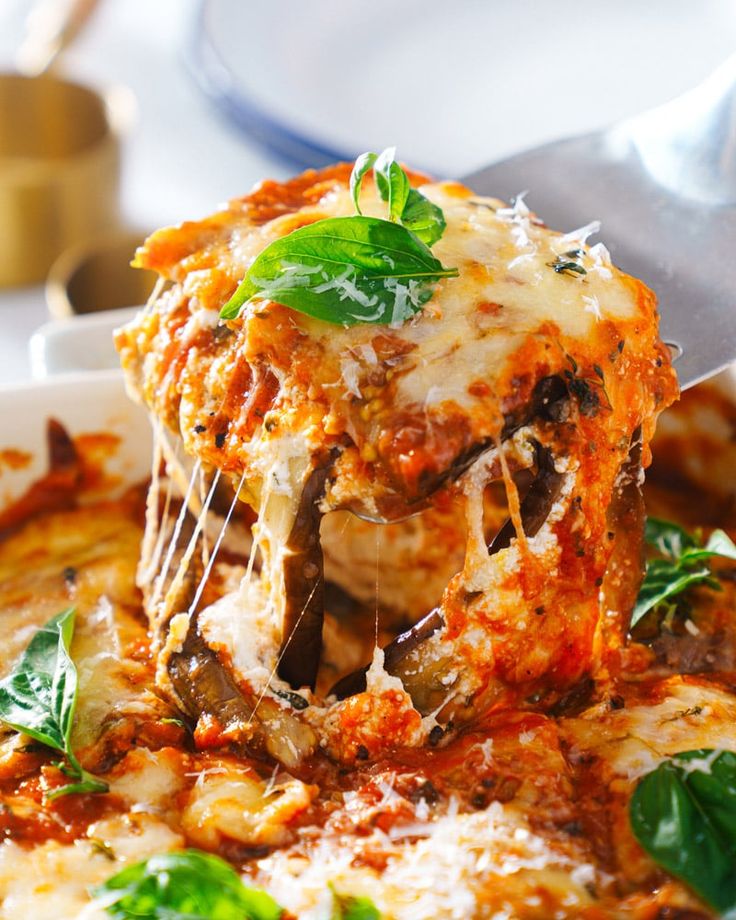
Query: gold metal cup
98 276
59 169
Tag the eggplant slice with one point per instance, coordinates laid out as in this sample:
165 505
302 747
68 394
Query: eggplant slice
301 647
535 507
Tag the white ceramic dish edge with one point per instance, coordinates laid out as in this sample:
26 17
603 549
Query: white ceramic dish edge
80 343
85 402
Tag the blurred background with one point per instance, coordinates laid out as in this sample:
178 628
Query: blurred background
212 95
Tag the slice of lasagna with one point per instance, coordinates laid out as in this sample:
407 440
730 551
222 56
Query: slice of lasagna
340 400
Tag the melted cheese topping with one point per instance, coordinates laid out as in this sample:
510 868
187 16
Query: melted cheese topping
523 815
460 866
443 379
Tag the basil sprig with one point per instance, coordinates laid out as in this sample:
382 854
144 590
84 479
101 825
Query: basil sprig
39 697
683 814
183 885
682 563
348 270
405 204
391 180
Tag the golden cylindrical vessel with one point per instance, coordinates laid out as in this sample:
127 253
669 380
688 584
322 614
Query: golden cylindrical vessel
59 171
97 276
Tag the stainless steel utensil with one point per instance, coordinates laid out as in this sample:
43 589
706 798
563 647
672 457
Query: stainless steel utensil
664 186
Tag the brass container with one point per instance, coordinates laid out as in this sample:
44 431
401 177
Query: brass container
59 169
97 276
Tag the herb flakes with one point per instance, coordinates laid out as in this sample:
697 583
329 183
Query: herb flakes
566 265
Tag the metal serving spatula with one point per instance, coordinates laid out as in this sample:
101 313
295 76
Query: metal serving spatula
664 186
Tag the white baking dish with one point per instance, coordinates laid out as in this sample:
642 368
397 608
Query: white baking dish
84 402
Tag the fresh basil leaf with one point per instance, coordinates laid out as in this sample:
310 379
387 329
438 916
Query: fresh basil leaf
347 907
662 581
669 539
683 564
362 165
417 213
676 543
423 218
719 544
348 270
183 885
683 814
392 182
39 695
345 270
380 167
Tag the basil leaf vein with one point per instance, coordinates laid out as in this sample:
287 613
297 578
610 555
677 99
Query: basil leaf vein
183 885
683 564
392 182
345 270
39 698
683 814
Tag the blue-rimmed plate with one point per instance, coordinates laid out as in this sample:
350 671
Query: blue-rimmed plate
454 85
